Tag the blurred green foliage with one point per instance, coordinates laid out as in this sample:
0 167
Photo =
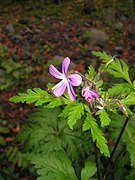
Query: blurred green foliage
12 73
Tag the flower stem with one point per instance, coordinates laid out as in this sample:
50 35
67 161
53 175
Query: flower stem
89 81
108 166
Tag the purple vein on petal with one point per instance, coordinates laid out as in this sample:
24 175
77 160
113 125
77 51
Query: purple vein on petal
71 92
74 79
65 65
59 88
94 94
54 72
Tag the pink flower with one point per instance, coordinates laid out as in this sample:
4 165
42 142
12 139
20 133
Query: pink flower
89 94
67 80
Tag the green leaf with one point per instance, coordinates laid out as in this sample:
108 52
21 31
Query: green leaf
58 102
102 55
131 150
87 124
129 139
131 174
55 165
104 118
2 140
91 72
65 111
99 83
129 100
97 134
86 107
16 156
16 74
4 130
89 170
118 68
36 95
76 111
44 131
134 84
116 125
124 88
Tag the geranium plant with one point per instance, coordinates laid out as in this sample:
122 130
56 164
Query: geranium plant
84 107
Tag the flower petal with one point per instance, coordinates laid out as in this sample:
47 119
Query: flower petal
54 72
86 93
65 65
89 94
88 98
94 94
71 92
74 79
85 89
59 88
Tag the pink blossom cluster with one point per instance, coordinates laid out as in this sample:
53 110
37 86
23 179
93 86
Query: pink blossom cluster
70 80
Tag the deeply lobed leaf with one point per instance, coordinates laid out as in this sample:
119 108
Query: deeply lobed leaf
104 118
58 102
76 111
117 68
46 132
97 134
129 100
37 96
124 88
89 170
55 165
